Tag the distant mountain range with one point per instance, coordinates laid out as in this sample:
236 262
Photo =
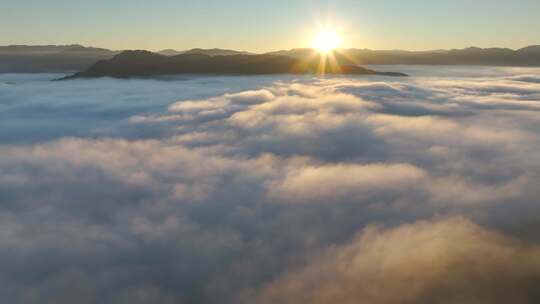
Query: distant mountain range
50 58
147 64
529 56
71 58
209 52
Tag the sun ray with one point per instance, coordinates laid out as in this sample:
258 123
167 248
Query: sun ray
325 42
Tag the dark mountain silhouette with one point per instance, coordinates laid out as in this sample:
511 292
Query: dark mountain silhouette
71 58
148 64
209 52
50 58
533 49
529 56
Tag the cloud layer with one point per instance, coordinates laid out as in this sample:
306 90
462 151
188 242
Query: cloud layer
446 261
272 189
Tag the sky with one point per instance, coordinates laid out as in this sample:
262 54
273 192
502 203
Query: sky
270 25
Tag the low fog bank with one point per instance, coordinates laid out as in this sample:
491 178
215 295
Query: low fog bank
272 189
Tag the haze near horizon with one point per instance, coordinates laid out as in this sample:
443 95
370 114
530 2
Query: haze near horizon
269 26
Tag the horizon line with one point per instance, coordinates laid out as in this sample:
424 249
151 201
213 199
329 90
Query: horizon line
259 52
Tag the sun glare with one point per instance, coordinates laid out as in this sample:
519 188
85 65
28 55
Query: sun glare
326 40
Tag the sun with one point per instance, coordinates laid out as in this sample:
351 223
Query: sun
326 40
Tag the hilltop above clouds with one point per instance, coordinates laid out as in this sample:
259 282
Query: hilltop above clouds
72 58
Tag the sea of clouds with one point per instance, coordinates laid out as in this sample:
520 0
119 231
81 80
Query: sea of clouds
272 189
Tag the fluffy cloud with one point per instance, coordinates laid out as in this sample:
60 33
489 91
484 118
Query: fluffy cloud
346 182
448 261
145 191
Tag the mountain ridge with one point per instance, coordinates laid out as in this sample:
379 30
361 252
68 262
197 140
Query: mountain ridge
75 57
130 64
209 52
528 56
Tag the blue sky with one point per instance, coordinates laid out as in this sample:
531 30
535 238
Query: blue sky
270 25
